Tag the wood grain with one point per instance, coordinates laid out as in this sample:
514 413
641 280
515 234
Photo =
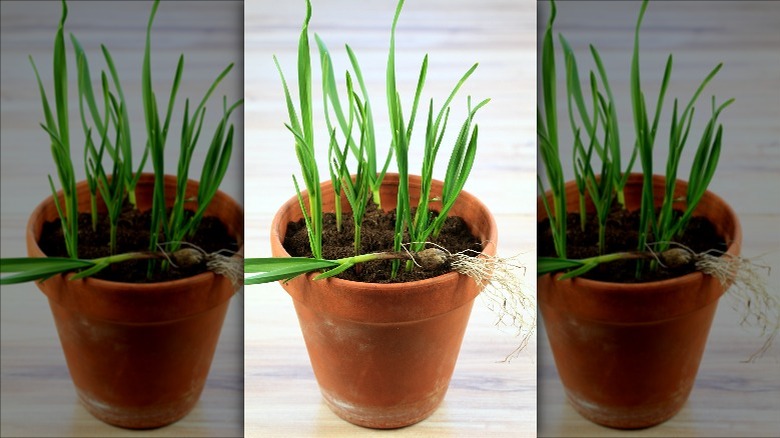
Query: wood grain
38 398
485 397
730 398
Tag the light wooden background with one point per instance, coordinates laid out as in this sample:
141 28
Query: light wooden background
485 398
38 398
729 398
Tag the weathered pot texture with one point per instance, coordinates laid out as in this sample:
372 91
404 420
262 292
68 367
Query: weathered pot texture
383 354
138 354
627 354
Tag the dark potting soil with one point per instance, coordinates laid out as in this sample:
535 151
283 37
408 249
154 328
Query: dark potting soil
132 235
377 234
621 235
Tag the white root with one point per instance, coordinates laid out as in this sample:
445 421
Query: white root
229 266
749 294
503 291
747 288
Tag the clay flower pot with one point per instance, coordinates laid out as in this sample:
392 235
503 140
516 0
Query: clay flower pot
383 354
138 354
628 354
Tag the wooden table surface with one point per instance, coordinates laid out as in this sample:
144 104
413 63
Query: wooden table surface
485 398
730 398
38 398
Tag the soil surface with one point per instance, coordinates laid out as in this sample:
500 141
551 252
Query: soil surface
132 235
377 234
621 236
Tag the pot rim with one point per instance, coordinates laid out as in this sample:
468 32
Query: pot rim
733 248
449 276
203 277
379 303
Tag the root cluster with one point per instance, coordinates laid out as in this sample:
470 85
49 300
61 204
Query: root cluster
749 294
503 290
746 282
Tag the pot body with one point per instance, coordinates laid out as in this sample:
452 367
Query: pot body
138 354
627 354
383 354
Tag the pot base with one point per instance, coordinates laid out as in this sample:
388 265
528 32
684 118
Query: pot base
621 417
147 417
384 417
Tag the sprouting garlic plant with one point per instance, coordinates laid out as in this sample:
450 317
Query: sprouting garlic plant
357 170
598 129
355 131
108 152
367 134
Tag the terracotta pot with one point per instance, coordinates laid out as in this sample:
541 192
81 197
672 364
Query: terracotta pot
383 354
138 354
628 354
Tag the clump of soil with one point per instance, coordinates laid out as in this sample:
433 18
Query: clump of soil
622 235
132 236
377 234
